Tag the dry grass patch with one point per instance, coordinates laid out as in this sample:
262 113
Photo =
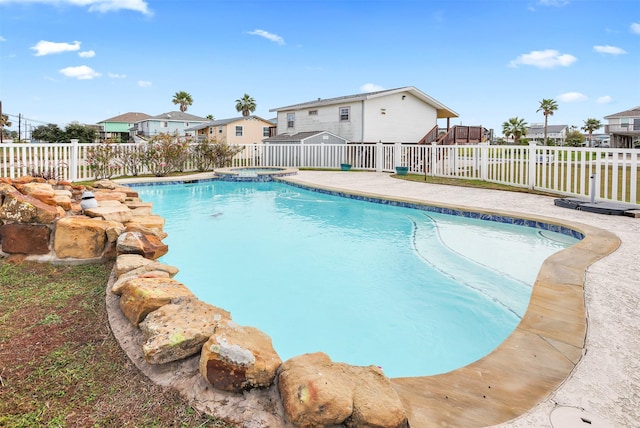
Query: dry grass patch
60 365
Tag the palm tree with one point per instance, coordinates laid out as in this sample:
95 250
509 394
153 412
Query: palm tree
514 127
547 107
591 125
184 99
246 105
4 121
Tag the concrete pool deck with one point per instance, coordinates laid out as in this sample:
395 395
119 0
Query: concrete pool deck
584 358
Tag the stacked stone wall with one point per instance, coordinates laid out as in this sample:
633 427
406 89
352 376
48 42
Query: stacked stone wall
45 221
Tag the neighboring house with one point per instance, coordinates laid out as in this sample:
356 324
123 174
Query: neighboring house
167 123
236 130
624 128
555 133
403 115
118 128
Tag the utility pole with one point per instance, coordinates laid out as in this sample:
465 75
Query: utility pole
1 127
19 125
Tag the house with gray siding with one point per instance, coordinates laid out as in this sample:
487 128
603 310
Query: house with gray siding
624 128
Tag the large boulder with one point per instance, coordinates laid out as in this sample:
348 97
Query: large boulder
129 262
18 238
142 296
237 358
20 208
109 195
318 392
178 330
110 185
42 191
150 270
132 226
149 221
63 198
120 212
80 237
148 246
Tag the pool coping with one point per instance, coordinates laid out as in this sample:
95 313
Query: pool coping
533 361
536 358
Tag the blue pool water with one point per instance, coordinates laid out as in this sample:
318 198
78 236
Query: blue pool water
414 292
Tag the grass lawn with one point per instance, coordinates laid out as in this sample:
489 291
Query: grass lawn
60 365
478 184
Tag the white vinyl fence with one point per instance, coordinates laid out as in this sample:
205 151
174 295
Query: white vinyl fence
603 174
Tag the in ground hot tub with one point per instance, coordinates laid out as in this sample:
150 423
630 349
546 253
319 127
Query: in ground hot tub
253 173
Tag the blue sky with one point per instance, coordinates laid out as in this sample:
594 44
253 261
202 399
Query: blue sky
88 60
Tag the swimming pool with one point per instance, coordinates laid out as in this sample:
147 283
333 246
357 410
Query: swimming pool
414 292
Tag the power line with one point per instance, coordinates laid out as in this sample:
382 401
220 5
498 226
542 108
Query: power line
21 117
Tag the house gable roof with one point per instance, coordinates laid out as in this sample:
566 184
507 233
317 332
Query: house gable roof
178 116
443 111
298 137
634 112
130 117
551 129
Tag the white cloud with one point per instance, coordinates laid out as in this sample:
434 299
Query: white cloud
2 39
144 83
572 97
47 48
548 58
87 54
116 75
635 28
371 87
612 50
81 72
604 100
101 6
267 35
557 3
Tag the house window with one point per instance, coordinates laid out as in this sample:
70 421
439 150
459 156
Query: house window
344 114
239 131
636 124
186 124
165 124
265 131
291 120
313 112
219 129
210 130
624 122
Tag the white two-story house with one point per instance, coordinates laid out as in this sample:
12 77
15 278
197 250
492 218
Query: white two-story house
166 123
403 115
557 134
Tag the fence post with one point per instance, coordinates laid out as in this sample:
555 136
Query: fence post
532 165
397 155
484 161
433 162
379 157
73 161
